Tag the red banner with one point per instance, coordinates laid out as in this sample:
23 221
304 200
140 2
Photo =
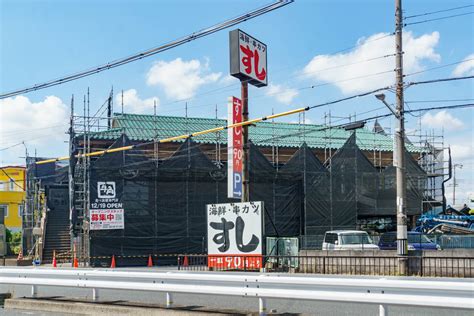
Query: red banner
248 262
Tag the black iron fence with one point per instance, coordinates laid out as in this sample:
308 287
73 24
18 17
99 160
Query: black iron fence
335 264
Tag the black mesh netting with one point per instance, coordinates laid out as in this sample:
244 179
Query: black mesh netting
165 201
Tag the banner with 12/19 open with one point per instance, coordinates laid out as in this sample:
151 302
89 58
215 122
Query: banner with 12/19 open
234 235
106 208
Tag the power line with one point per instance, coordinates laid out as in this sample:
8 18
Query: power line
437 19
12 180
435 101
222 89
455 106
349 98
439 11
439 80
439 67
122 61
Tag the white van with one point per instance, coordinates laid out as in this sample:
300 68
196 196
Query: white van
348 240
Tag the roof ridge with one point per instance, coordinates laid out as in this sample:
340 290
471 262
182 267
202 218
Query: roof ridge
124 115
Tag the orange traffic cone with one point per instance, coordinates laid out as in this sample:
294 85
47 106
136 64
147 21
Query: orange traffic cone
150 261
185 262
75 263
55 264
112 264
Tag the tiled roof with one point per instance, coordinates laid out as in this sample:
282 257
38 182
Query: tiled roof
143 128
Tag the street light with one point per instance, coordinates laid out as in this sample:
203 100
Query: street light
399 164
381 97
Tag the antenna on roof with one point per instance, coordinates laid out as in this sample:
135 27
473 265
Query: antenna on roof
186 115
110 106
122 101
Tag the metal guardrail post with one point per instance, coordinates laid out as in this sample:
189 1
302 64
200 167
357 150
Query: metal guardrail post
382 310
262 306
95 294
34 291
169 300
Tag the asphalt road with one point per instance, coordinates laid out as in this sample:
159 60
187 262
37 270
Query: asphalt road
222 302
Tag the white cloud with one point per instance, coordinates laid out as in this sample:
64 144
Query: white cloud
228 80
181 79
442 119
417 49
282 94
40 124
460 152
132 102
466 67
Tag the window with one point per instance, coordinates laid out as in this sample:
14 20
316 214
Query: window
12 185
330 238
415 239
389 238
20 210
353 239
2 186
3 213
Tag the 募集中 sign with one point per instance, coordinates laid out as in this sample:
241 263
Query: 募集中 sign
106 209
235 235
234 149
248 58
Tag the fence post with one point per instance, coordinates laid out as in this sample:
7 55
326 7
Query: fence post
382 310
262 306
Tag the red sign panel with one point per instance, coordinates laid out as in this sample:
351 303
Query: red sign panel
249 262
235 150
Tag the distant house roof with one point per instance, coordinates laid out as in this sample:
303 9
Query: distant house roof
139 127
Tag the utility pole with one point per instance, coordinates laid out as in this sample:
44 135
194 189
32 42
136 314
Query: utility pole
402 245
245 139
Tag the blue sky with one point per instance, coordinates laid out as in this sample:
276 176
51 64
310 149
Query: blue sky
42 40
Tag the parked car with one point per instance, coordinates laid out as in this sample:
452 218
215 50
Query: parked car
416 241
348 240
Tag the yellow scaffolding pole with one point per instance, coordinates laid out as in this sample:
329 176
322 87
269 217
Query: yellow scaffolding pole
174 138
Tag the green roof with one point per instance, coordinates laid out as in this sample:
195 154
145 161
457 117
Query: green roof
140 127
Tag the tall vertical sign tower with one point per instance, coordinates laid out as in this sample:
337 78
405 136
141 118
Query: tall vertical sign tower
248 62
234 150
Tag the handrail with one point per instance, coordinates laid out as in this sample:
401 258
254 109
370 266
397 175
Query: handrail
451 293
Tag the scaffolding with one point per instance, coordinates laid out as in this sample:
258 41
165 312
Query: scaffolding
85 128
82 126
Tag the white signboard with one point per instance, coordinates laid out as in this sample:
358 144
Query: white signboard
234 234
248 58
106 209
106 219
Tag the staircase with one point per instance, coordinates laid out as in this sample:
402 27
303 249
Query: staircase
57 225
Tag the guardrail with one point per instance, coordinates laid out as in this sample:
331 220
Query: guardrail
452 293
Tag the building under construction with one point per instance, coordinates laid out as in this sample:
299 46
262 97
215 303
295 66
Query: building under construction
311 178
